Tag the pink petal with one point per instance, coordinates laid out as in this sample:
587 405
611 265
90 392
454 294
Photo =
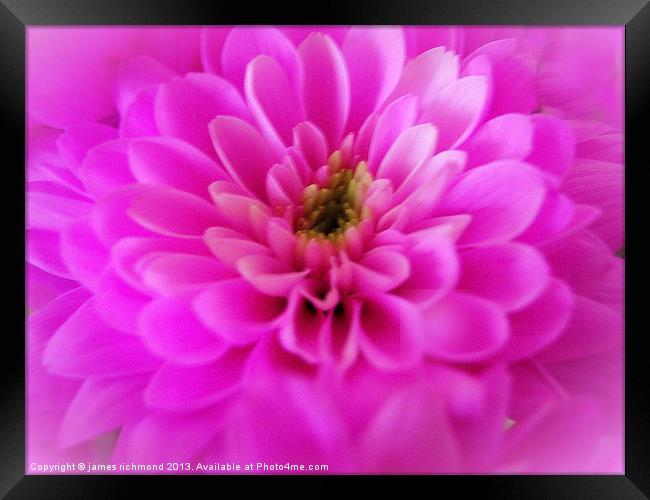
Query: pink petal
297 34
44 161
610 288
375 57
243 44
457 109
540 322
106 168
581 259
242 213
424 188
269 275
169 327
272 102
42 324
189 388
84 254
128 253
75 142
433 173
175 47
410 433
427 74
478 419
110 220
136 74
464 328
380 270
147 440
51 206
71 74
170 273
212 42
229 245
398 116
326 85
184 107
283 184
43 287
555 215
422 38
43 251
86 346
600 375
311 142
411 149
514 85
338 339
243 151
389 332
118 303
237 312
605 147
511 275
172 212
504 137
281 240
138 119
435 269
174 163
101 405
502 197
364 136
553 144
600 184
593 328
559 437
302 329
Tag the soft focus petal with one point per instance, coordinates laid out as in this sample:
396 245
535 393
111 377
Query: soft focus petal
271 100
511 275
243 151
374 57
326 85
85 345
237 312
502 197
245 43
389 332
186 388
464 328
184 107
169 328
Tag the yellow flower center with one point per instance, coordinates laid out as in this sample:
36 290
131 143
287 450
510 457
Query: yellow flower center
328 211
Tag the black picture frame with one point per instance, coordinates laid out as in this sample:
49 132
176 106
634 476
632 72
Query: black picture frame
16 15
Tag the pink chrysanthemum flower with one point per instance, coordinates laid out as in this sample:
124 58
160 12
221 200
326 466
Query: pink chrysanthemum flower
381 249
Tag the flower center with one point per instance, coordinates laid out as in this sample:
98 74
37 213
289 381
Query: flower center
330 209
